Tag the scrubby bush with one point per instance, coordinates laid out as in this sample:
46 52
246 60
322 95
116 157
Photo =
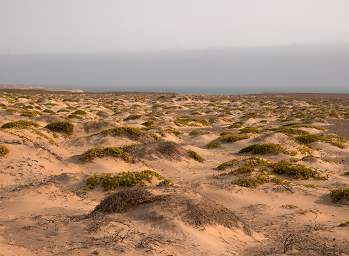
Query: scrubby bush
61 127
263 149
124 131
340 194
227 138
191 121
79 113
21 124
105 152
249 130
297 171
124 179
311 138
253 182
30 113
3 151
195 156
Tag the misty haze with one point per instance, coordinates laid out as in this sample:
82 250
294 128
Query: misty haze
274 69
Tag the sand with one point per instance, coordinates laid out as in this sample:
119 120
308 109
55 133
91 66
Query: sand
46 207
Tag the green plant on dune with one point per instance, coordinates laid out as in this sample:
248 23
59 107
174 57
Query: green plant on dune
339 194
125 179
124 131
296 171
253 182
61 127
226 138
263 149
195 156
79 112
191 121
21 124
105 152
3 150
249 130
331 139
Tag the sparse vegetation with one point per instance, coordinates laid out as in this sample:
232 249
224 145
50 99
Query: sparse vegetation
124 131
3 150
226 138
21 124
252 182
105 152
296 171
125 179
195 156
249 130
264 149
340 194
311 138
61 127
191 121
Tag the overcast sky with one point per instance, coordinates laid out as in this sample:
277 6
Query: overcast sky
89 26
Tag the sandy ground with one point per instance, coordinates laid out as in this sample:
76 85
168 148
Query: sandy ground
47 209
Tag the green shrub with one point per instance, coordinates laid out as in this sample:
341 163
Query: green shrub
61 127
249 130
198 132
3 151
30 113
340 194
227 138
124 131
253 182
149 124
21 124
263 149
297 171
105 152
290 131
79 113
195 156
124 179
311 138
191 121
236 125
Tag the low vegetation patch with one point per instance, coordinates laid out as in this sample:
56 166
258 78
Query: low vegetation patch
3 150
61 127
195 156
249 130
290 131
125 179
251 162
311 138
79 113
340 194
226 138
124 200
105 152
191 121
21 124
130 132
296 171
253 182
264 149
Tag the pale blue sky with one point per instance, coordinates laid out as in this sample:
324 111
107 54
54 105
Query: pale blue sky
75 26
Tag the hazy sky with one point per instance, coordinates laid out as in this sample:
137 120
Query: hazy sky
71 26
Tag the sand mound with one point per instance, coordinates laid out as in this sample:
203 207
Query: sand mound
125 200
161 149
198 213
